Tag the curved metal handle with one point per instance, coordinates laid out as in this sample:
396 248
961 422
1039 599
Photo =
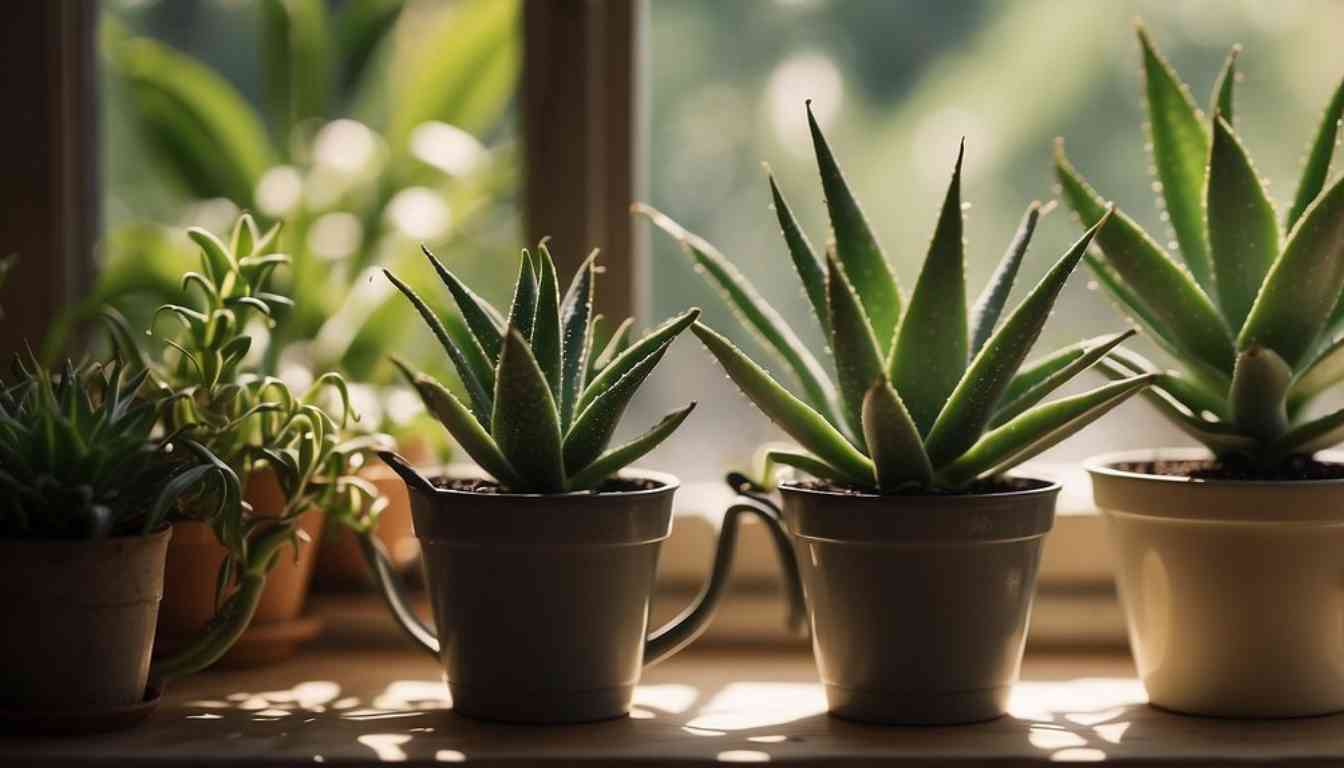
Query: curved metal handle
693 621
390 586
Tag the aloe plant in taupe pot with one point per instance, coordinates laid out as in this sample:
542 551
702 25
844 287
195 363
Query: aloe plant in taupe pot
541 578
1229 559
918 557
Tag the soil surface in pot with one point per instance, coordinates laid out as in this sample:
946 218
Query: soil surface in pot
979 488
1297 468
473 485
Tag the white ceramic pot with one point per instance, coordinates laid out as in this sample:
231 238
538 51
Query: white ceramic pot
1233 591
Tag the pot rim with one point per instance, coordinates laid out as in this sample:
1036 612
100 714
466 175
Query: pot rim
163 531
1103 465
1044 487
666 482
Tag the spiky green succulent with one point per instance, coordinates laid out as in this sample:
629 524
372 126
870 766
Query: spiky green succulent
542 401
924 396
1251 312
80 456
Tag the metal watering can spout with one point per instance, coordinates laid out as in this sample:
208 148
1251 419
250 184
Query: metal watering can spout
415 481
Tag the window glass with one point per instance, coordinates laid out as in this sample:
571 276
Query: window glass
896 86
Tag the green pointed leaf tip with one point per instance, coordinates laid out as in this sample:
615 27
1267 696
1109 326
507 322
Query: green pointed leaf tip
1243 226
1154 286
811 270
932 345
754 312
856 244
546 324
988 308
1304 284
594 426
1317 166
1180 147
1221 101
627 359
972 403
615 459
1090 355
801 422
576 324
524 307
482 318
893 440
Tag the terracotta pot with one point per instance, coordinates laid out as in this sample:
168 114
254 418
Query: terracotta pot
79 621
542 602
194 559
918 604
1231 590
340 560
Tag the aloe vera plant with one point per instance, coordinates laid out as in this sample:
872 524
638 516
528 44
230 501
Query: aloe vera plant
926 396
543 402
1251 311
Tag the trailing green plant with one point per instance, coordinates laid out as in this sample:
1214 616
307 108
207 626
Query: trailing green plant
1252 311
925 396
249 421
81 458
543 402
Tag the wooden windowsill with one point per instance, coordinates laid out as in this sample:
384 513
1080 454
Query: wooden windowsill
336 706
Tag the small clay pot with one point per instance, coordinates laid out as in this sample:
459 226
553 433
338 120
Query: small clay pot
194 559
340 560
918 603
79 622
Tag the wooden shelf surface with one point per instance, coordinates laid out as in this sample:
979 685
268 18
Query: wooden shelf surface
348 707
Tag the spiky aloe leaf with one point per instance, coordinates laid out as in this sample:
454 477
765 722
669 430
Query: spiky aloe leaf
462 425
1180 149
1042 389
858 361
614 460
931 346
1221 438
1221 101
1192 393
1037 370
856 245
475 381
893 440
755 312
594 425
803 424
1310 436
1260 392
576 320
1036 430
525 423
972 403
985 314
618 343
524 307
483 319
1243 227
1171 301
806 462
622 363
811 271
1325 370
1303 285
1317 167
546 325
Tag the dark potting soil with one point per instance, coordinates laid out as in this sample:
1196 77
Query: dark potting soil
979 488
1296 468
474 485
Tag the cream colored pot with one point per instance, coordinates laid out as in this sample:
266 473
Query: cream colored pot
1233 591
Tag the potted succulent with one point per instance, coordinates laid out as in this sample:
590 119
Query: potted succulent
1228 560
541 577
91 491
918 555
293 458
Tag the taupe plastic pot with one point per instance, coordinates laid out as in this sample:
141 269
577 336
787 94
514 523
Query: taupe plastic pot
541 602
1232 590
918 603
79 621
